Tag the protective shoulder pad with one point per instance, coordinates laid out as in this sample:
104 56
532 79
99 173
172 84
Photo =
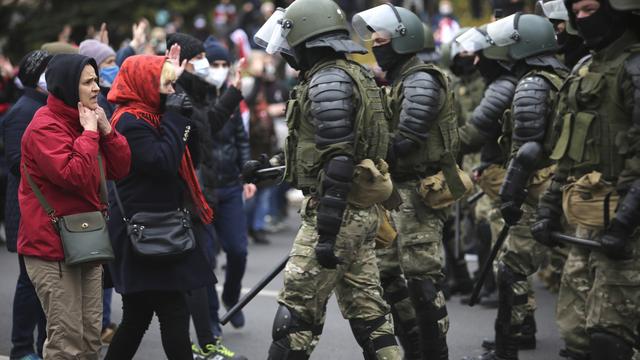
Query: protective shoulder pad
497 98
420 106
530 109
331 94
632 67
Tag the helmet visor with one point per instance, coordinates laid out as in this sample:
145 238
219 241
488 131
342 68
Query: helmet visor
383 18
555 10
272 35
472 40
504 32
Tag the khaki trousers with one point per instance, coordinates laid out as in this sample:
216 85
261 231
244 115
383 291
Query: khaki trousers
71 298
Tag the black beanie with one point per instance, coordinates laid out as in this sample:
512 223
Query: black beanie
32 66
63 76
215 51
190 47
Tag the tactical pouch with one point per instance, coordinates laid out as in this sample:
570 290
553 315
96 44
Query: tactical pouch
586 201
386 234
491 180
435 193
538 183
371 184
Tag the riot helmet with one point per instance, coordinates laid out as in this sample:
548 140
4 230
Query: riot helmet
403 27
602 26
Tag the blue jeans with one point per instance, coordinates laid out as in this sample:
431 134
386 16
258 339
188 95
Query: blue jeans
106 307
258 208
27 315
231 232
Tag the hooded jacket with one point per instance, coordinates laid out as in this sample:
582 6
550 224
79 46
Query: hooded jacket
62 159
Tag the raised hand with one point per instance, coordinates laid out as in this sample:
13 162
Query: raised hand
103 35
103 123
173 56
139 34
88 118
237 79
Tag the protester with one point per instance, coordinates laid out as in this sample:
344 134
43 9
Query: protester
60 151
156 123
210 113
27 311
105 57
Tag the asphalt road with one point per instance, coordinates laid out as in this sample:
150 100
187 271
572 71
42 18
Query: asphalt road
468 325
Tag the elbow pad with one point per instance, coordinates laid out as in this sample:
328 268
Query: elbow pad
336 183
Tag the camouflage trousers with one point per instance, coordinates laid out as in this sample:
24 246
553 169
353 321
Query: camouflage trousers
356 282
598 294
416 254
523 256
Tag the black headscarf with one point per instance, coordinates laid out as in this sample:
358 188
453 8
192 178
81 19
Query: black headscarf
63 76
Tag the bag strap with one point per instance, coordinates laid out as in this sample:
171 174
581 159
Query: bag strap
119 202
36 190
45 204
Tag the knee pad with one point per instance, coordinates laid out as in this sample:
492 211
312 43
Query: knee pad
423 295
280 350
507 299
362 330
287 322
393 297
610 347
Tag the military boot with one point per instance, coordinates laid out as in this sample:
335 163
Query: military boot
526 338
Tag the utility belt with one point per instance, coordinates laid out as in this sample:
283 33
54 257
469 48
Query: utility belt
589 201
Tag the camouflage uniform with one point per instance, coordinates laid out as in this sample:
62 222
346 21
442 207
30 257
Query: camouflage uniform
308 286
599 296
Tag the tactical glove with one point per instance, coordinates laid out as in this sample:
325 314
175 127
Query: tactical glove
615 241
511 212
325 255
546 222
180 103
250 168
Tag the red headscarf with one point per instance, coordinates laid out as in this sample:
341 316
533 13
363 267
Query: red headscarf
136 90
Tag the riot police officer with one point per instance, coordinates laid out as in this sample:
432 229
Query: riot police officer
529 42
423 142
597 152
336 122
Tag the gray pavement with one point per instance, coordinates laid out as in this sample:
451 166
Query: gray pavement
468 325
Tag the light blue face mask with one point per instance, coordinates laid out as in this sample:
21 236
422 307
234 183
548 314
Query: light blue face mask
108 74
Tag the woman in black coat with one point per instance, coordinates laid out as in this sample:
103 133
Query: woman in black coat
162 179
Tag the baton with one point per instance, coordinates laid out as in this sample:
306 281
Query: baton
458 230
488 265
475 197
254 291
268 171
572 240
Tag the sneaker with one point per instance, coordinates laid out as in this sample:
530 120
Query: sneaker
218 351
197 353
237 320
30 357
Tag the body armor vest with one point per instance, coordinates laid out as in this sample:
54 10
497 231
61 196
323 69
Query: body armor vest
438 152
303 157
592 117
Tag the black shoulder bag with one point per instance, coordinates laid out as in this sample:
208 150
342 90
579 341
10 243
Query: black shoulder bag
162 236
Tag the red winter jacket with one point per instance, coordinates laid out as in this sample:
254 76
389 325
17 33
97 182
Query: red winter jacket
62 160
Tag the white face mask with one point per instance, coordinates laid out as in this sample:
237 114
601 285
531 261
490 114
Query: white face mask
445 9
200 67
42 82
217 76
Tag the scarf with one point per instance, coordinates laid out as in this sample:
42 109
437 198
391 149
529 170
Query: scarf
136 91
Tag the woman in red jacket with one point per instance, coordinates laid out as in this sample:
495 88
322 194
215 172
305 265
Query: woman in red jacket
60 152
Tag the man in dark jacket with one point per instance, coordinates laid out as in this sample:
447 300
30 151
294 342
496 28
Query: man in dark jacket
212 109
27 311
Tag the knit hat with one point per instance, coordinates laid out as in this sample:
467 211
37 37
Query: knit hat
32 66
59 47
215 51
97 50
190 47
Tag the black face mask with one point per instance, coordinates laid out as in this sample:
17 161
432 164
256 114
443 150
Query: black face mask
489 69
602 27
163 103
573 50
463 66
386 57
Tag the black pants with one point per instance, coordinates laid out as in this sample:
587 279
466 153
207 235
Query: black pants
137 312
